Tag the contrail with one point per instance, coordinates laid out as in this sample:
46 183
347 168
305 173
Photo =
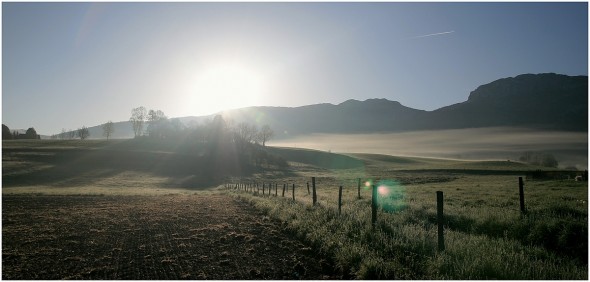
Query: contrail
433 34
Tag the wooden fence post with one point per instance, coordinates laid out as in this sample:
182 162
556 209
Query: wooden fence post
374 206
359 188
293 192
521 192
340 200
276 190
315 197
440 220
308 188
262 188
284 186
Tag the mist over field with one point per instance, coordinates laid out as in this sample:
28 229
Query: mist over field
503 143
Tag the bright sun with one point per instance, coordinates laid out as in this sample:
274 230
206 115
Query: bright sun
227 86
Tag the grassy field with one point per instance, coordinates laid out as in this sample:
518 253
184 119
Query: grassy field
486 235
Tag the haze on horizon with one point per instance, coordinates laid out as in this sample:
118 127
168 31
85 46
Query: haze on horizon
66 65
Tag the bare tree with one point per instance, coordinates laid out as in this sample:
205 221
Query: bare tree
155 115
265 134
107 129
83 132
246 132
138 116
71 134
157 120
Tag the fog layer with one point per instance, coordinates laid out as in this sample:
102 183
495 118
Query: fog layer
498 143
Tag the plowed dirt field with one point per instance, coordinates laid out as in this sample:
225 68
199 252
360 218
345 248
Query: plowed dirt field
149 237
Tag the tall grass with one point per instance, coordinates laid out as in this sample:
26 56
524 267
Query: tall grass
486 236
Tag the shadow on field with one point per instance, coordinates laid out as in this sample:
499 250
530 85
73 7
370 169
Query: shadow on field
73 167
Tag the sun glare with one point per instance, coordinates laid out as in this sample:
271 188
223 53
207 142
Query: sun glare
227 86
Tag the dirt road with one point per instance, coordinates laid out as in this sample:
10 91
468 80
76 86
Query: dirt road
149 237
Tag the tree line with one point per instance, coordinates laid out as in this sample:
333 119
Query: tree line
218 139
155 124
31 133
161 127
81 133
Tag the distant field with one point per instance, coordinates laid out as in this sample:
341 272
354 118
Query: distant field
570 148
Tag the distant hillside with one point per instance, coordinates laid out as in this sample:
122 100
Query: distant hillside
546 101
352 116
541 101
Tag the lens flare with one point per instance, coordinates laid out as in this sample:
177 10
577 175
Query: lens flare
368 184
392 196
383 190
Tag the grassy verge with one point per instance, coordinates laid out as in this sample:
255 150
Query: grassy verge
486 237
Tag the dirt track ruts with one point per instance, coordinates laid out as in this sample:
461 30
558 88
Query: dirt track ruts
149 237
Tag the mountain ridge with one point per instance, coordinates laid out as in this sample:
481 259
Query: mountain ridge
540 101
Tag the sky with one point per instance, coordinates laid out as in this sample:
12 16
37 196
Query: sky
68 65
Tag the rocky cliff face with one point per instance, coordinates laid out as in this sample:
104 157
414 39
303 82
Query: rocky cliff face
549 101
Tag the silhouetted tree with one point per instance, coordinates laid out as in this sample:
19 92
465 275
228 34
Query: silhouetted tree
138 116
155 115
6 135
83 132
265 134
158 123
31 133
107 129
246 133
